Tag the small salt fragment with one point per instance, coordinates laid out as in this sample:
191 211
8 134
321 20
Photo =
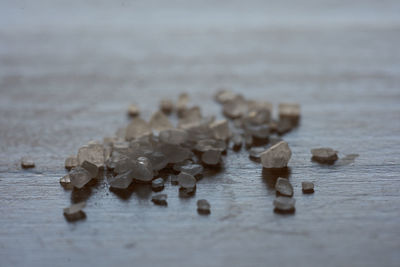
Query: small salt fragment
289 111
137 128
324 155
173 136
237 141
248 140
142 170
235 108
348 159
27 163
159 122
259 112
121 181
174 153
284 205
66 182
79 177
284 126
91 168
186 181
220 129
223 96
174 179
255 152
120 147
203 207
277 156
160 199
192 169
71 162
133 110
75 212
93 153
157 184
211 157
166 106
158 160
209 144
284 187
188 117
181 105
307 187
257 131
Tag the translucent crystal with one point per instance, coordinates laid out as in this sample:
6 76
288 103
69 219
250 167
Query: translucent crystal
203 207
133 110
257 131
27 163
142 170
324 155
289 111
74 212
259 112
157 184
223 96
79 177
182 103
173 136
137 128
123 165
66 182
255 152
284 187
166 106
174 179
159 122
121 181
91 168
236 107
211 157
160 199
277 156
237 141
210 144
192 169
174 153
93 153
121 147
284 204
158 160
71 162
220 129
190 117
307 187
186 181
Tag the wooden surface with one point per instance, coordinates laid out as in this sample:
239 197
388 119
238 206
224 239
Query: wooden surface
68 72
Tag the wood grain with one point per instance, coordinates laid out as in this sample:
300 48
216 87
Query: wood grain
69 72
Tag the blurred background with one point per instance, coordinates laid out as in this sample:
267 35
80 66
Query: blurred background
70 69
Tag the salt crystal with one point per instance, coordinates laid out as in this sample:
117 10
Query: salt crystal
284 187
203 207
121 181
259 112
248 140
192 169
74 212
307 187
220 129
237 141
255 152
133 110
190 117
159 122
173 136
142 170
157 184
186 180
211 157
158 160
71 162
93 153
223 96
66 182
284 126
289 111
27 163
166 106
137 128
210 144
284 205
235 108
160 199
91 168
324 155
182 103
174 153
257 131
79 177
277 156
121 147
174 179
